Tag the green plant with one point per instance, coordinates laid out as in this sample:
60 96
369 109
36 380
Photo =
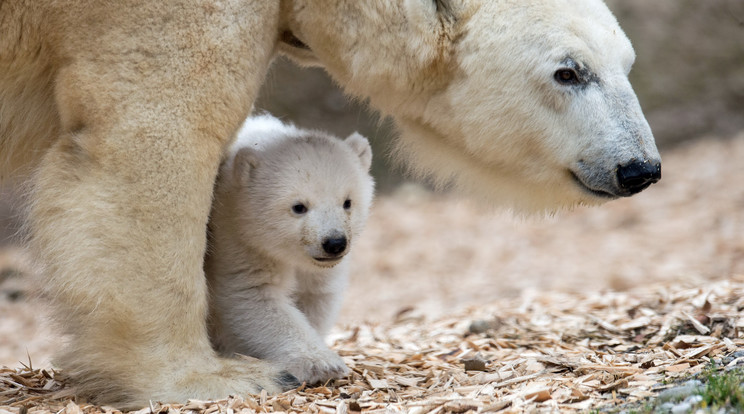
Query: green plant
724 389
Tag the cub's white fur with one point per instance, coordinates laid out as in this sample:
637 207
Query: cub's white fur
288 203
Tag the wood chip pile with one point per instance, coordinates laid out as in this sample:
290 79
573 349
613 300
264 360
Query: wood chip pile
544 352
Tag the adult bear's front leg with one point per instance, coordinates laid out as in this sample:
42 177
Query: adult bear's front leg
120 202
118 222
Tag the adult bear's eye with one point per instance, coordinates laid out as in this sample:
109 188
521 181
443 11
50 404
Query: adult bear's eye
299 208
566 76
347 204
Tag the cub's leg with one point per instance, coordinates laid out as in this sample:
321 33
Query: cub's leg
265 323
319 295
120 201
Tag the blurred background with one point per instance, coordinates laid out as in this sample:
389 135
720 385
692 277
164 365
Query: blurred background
429 253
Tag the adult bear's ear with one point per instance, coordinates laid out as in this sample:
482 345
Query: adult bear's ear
244 161
427 13
294 48
361 147
444 8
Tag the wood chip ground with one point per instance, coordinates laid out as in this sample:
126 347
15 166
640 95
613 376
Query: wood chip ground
541 353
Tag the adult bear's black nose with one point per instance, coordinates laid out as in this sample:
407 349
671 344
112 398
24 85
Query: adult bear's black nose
335 245
634 177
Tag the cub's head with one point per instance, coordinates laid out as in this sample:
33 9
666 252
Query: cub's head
522 102
304 196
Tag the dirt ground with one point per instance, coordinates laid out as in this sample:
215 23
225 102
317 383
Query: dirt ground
428 264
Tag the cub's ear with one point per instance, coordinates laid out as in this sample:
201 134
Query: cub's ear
361 147
244 161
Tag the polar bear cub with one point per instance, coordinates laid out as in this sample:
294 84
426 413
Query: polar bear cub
287 205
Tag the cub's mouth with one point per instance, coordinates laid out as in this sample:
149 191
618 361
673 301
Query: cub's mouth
328 261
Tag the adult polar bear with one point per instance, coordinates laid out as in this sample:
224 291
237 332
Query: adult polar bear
120 111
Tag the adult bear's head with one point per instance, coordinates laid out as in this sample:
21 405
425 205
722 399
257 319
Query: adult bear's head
523 102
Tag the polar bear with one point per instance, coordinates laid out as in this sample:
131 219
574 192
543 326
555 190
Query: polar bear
117 114
288 204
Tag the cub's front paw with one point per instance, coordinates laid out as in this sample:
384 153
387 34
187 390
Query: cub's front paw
317 367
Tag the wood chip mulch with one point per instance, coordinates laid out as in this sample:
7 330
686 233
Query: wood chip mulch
541 353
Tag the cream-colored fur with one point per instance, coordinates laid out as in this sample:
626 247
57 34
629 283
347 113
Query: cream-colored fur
473 91
275 289
119 113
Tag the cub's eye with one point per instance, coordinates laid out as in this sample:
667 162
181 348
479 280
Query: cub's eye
347 204
299 208
566 76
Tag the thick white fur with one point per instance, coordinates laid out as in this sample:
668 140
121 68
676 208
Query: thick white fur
271 297
473 92
119 113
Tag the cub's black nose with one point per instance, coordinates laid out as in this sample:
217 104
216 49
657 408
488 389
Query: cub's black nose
334 246
636 176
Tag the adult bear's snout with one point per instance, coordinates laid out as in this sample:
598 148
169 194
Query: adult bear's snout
636 176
